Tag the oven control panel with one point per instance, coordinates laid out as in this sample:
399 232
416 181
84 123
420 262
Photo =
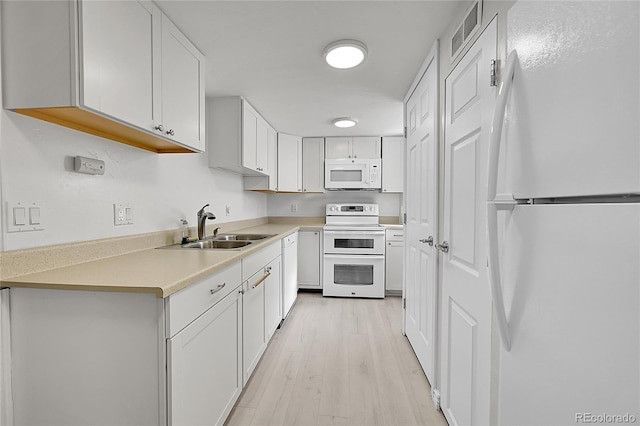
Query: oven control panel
352 209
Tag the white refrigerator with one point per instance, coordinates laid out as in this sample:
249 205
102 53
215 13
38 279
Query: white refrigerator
564 216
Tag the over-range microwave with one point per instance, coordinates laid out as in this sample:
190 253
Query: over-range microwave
352 173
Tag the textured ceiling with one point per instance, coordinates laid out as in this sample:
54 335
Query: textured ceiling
270 52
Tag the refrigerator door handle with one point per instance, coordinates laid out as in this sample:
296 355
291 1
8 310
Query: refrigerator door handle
494 204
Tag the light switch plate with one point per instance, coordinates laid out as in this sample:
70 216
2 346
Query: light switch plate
24 216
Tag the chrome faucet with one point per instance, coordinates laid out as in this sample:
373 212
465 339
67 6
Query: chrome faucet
202 217
215 231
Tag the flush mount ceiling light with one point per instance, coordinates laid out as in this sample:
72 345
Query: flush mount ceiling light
345 53
344 122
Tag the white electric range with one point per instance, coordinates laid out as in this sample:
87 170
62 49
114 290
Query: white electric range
353 251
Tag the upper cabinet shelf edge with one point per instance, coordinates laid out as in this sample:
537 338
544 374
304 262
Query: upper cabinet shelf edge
118 70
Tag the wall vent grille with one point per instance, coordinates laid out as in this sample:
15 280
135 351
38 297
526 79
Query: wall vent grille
467 28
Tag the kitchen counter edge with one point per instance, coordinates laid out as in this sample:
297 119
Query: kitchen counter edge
160 272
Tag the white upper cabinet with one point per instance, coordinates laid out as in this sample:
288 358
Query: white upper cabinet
180 112
289 163
267 183
313 165
393 164
353 147
118 65
115 69
238 137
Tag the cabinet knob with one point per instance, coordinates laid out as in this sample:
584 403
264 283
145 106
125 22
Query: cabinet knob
159 128
170 132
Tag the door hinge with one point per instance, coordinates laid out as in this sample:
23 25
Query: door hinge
405 131
404 218
404 303
493 75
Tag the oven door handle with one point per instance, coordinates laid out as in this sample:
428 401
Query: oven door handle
347 256
370 233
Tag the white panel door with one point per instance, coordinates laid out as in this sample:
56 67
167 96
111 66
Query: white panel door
422 223
466 300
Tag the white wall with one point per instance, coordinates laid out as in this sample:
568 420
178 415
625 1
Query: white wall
36 164
314 204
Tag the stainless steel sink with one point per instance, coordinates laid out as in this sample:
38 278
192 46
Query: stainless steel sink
241 237
215 244
222 242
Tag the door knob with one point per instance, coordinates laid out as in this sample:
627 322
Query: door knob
427 240
444 247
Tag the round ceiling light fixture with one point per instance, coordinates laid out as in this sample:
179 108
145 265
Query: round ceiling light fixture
344 122
345 54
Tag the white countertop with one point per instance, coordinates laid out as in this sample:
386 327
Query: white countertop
162 272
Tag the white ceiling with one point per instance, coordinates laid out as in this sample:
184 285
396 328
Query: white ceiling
270 52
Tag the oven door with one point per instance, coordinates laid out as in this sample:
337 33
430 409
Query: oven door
353 242
353 276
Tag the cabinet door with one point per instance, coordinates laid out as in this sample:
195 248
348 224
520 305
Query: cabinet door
262 146
182 88
205 365
313 165
393 164
366 147
249 137
393 266
272 298
116 59
289 163
253 330
338 147
309 259
272 158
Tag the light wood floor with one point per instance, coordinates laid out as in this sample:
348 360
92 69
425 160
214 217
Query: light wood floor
338 361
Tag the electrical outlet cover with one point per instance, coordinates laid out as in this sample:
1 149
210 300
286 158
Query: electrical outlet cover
122 214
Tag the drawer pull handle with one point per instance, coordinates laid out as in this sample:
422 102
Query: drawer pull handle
220 287
261 280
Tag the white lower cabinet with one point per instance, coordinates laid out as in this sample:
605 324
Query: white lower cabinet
253 336
259 304
273 298
121 358
204 365
309 259
394 258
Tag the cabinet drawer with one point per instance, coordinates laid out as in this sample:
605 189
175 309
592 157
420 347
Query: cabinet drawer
251 264
395 235
189 303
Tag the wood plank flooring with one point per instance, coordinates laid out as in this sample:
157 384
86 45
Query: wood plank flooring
338 362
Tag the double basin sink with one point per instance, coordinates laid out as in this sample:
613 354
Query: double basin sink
223 242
